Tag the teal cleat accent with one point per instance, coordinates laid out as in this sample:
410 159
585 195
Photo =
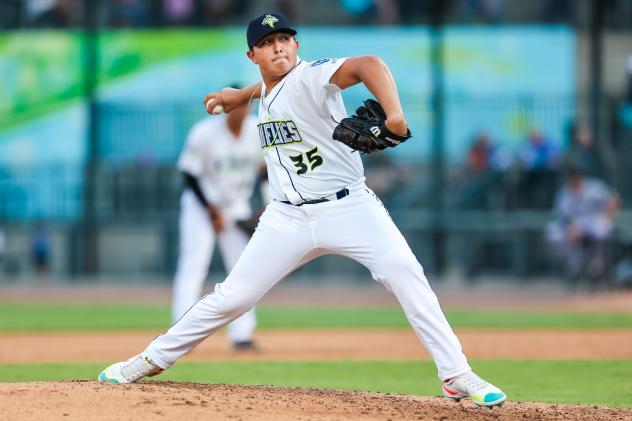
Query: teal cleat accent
495 398
103 378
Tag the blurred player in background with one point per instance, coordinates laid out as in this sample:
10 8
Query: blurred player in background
584 212
220 162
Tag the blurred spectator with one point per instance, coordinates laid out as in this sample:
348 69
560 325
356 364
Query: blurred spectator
581 150
539 161
40 249
484 155
539 152
480 155
128 14
53 14
583 219
178 12
384 12
483 183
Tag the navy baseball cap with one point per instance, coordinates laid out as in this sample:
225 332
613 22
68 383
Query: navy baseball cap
267 24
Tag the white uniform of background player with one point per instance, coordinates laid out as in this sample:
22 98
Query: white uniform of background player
584 217
225 166
320 206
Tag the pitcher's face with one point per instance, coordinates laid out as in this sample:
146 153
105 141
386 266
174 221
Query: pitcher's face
276 54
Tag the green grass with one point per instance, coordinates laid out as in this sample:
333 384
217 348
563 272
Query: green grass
603 382
46 317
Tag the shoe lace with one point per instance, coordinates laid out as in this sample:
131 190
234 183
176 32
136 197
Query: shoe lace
137 367
474 381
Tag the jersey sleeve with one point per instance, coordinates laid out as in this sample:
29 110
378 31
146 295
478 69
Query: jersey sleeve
316 76
191 158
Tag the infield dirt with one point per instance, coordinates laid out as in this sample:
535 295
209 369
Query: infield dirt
190 401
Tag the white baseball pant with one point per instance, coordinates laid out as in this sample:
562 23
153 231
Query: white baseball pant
197 242
357 226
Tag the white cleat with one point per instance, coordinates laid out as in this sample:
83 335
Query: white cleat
469 385
130 371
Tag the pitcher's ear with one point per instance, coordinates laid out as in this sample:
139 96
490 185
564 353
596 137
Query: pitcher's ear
251 55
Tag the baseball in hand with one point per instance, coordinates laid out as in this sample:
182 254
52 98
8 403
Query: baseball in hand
218 109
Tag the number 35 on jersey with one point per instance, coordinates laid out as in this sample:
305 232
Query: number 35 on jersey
277 133
307 161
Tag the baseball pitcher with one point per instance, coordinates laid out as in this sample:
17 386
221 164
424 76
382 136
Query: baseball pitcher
320 204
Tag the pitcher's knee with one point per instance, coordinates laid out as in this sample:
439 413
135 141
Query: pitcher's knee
236 298
397 264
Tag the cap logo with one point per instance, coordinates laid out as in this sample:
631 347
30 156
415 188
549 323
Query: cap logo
269 20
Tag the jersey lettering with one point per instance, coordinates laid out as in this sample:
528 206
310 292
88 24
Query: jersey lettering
321 61
276 133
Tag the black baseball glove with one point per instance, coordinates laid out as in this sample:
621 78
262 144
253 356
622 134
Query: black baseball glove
365 131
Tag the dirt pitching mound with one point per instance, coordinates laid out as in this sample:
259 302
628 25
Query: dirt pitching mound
83 400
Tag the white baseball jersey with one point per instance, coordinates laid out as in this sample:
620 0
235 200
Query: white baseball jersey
585 207
224 165
304 162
